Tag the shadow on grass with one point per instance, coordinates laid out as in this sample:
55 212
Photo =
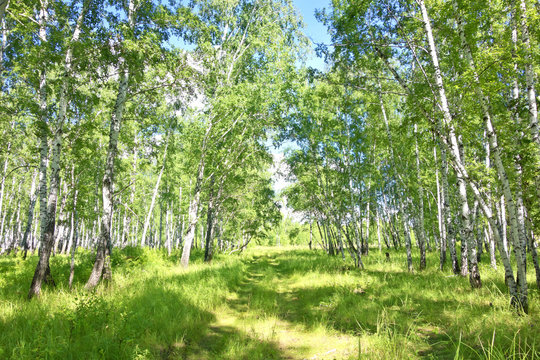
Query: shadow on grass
429 308
152 318
149 315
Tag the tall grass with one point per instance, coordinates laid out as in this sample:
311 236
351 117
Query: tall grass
265 304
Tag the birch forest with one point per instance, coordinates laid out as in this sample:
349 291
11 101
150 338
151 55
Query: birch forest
179 180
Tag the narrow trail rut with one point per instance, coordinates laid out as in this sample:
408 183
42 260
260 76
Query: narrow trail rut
266 309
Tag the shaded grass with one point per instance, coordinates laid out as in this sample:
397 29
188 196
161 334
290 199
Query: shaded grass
266 304
153 309
394 313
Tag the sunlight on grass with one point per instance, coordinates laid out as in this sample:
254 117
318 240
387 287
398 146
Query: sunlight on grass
264 304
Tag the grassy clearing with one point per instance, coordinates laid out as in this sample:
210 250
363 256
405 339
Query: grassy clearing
265 304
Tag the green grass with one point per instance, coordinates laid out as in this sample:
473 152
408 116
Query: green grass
265 304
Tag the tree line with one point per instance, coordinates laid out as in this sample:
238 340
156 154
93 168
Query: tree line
424 130
139 123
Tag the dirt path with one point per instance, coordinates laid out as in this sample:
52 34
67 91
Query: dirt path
265 308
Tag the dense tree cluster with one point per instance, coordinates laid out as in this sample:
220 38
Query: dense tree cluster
140 123
424 131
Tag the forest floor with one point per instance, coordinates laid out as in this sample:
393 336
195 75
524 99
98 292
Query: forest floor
268 303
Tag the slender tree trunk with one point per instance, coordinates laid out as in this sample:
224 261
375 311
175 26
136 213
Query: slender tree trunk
75 235
517 299
48 215
530 77
169 230
310 234
533 114
192 216
209 223
359 262
62 219
407 234
450 230
154 195
30 216
42 273
534 252
379 229
517 229
102 263
322 236
132 238
501 211
488 234
340 240
421 231
4 4
455 147
440 215
3 189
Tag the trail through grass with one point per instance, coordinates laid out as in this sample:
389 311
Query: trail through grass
265 304
266 307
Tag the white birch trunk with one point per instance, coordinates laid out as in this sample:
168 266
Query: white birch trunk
192 216
4 4
421 230
154 195
530 76
474 277
407 234
3 189
30 216
517 231
42 269
102 263
461 171
440 214
358 261
379 230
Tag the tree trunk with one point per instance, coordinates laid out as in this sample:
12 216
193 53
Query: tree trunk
30 216
407 234
209 223
102 263
4 4
48 215
421 231
517 299
154 194
42 271
75 237
378 230
440 214
517 229
529 73
358 262
192 216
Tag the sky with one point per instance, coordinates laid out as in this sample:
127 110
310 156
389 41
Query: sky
314 29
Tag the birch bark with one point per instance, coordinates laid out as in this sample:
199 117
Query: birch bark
421 230
474 276
154 194
101 266
517 230
42 269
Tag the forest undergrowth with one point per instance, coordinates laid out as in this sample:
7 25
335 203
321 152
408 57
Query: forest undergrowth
267 303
